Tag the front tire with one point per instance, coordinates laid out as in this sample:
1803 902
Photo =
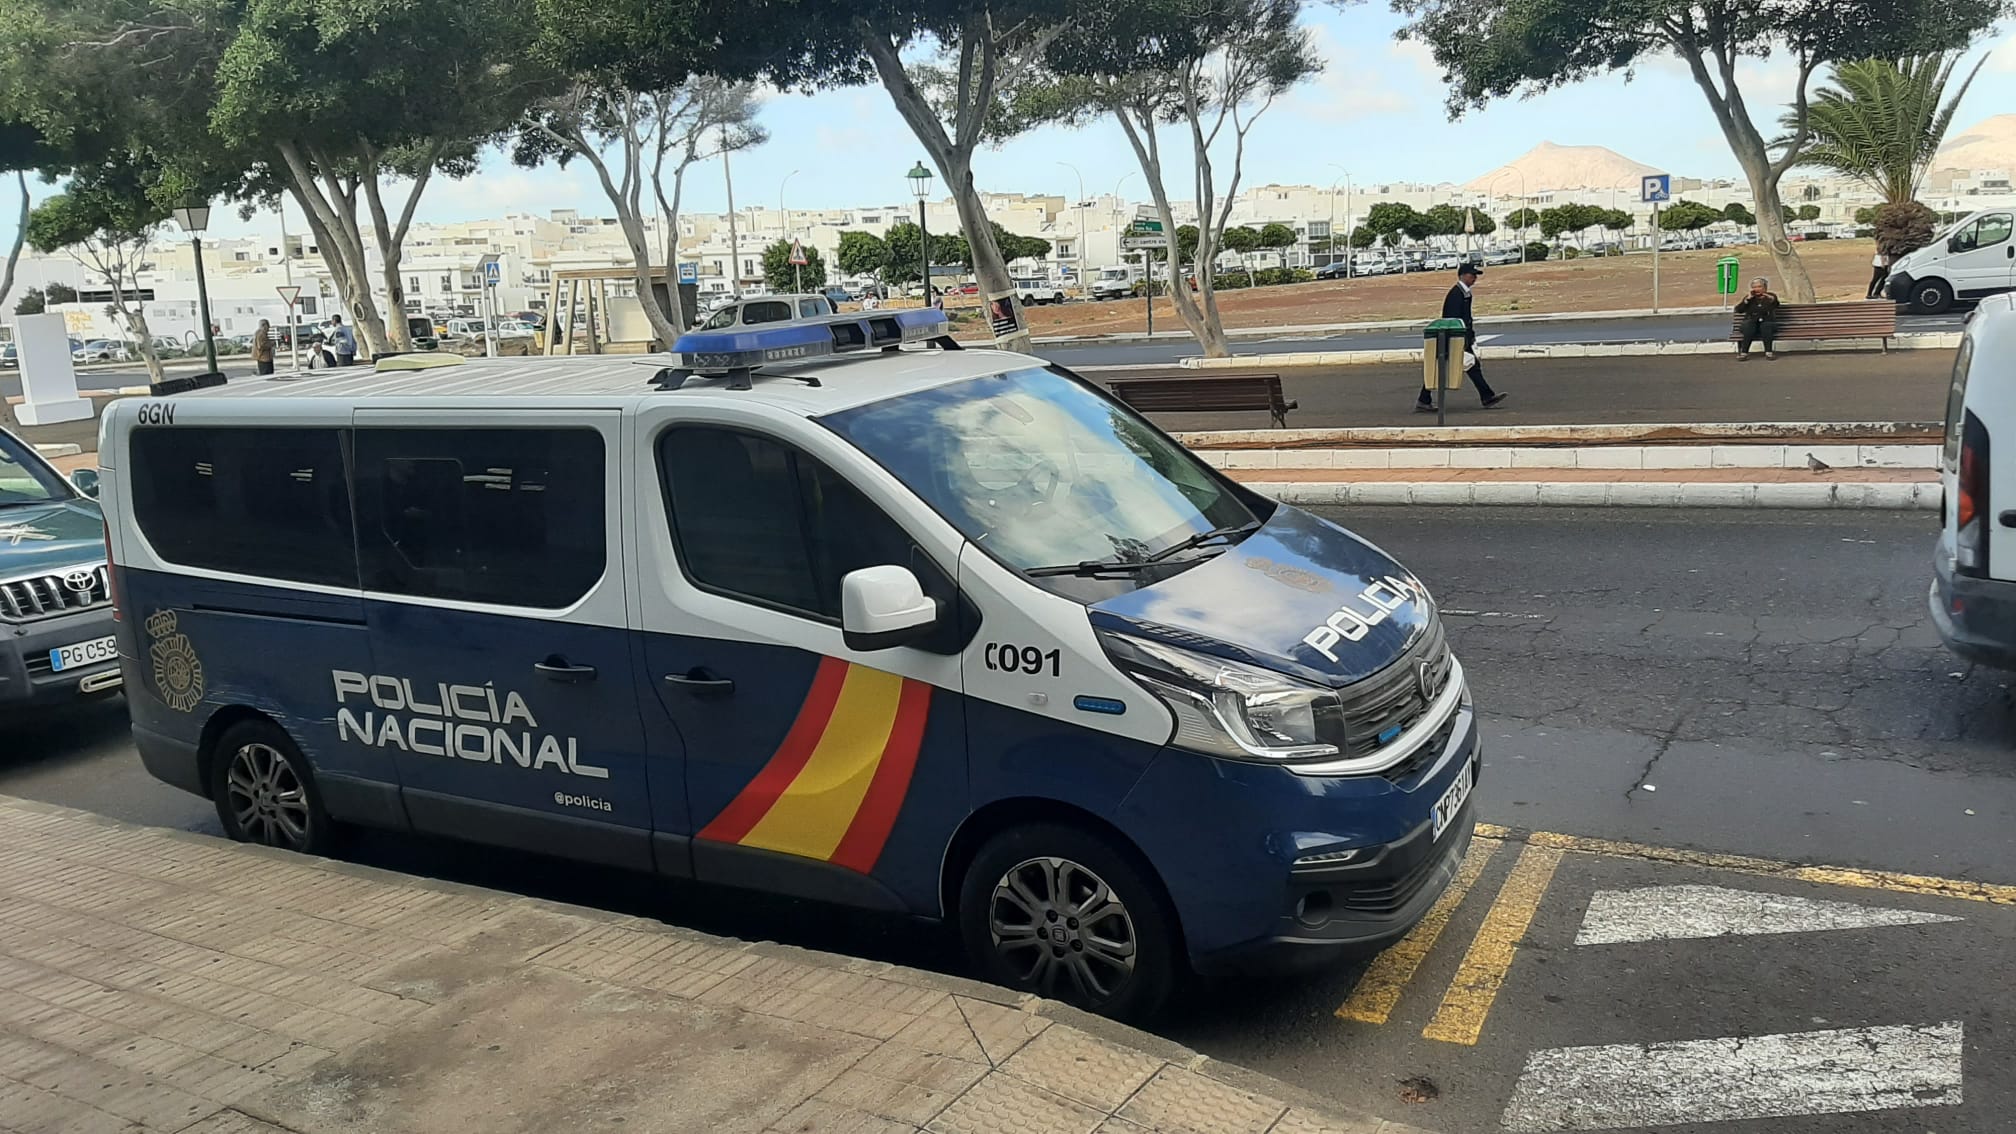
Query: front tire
265 792
1061 912
1931 297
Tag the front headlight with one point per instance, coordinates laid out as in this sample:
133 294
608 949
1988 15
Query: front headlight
1227 708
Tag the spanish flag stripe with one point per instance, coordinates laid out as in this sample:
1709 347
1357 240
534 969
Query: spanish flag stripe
813 813
870 829
748 808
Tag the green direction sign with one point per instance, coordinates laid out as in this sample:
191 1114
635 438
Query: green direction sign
1146 226
1726 271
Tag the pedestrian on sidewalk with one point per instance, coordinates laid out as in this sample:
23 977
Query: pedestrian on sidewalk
1760 318
262 348
1457 305
343 340
1879 272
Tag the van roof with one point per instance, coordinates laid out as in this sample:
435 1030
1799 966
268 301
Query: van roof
845 381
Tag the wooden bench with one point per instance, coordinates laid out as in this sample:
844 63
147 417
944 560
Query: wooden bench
1231 393
1855 319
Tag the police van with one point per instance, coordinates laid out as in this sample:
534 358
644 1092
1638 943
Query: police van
834 609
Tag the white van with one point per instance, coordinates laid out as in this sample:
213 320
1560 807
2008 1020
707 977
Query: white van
1971 260
830 608
1974 566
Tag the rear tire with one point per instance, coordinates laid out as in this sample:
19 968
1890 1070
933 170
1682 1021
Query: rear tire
265 792
1931 297
1061 912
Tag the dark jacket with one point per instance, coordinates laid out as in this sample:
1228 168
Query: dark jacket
1456 305
1762 306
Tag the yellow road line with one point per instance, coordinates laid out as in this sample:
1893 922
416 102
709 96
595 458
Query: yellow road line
1379 989
1460 1019
1922 884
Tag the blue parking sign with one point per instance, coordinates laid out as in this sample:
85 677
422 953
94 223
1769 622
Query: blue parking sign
1656 187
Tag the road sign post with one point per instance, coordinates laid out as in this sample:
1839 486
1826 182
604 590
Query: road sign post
493 274
292 295
797 266
1655 189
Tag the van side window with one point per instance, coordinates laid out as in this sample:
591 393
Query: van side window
756 519
508 516
263 501
1990 230
769 311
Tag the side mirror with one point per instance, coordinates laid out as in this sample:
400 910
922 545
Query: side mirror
85 481
1952 244
883 607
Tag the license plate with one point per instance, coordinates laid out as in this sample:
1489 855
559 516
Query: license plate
1452 800
83 653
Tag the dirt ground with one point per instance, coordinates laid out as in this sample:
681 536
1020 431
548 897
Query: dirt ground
1840 270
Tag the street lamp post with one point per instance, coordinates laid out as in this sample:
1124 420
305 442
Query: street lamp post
194 218
1081 221
1346 182
784 223
920 188
1489 187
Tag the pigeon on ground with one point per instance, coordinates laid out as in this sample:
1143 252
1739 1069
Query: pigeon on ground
1816 464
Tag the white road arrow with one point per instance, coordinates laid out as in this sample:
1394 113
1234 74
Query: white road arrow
1665 913
1724 1080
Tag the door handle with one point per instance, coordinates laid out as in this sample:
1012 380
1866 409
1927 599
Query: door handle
2008 519
701 680
558 668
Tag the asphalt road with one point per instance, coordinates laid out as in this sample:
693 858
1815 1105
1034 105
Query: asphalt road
1660 329
1753 683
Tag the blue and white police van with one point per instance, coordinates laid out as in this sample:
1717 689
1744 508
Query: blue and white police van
834 609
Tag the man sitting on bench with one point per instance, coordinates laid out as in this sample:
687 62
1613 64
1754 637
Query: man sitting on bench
1760 318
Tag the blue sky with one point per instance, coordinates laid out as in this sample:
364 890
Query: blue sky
1377 111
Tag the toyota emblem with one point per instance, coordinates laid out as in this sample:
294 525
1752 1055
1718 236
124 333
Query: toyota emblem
81 582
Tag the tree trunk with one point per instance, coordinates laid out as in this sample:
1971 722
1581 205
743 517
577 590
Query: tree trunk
20 238
391 239
332 217
1788 272
1209 334
670 210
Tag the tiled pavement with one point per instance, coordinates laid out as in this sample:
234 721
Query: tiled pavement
155 981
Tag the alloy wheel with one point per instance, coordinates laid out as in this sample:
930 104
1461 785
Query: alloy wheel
1054 921
266 798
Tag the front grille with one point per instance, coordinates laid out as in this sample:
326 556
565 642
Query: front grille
45 596
1379 708
1391 896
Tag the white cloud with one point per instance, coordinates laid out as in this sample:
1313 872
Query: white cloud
1351 87
2003 57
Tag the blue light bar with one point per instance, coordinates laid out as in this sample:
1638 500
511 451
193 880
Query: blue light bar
744 349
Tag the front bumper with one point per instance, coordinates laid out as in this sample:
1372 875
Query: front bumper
1976 618
26 677
1898 286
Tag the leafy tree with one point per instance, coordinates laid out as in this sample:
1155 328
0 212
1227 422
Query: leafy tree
1573 217
1444 220
1277 235
1209 68
1481 221
1881 122
862 254
1865 216
1809 212
903 239
1736 211
34 301
1495 48
1395 221
1363 237
1787 213
1241 239
780 275
103 220
625 136
1688 216
60 293
1186 242
1903 229
1522 218
1536 250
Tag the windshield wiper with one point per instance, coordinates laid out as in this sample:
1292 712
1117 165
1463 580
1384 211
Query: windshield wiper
1096 567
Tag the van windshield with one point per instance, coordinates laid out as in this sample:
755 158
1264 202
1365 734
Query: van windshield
24 479
1046 475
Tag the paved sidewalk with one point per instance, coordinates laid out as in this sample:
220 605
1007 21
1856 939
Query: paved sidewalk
156 981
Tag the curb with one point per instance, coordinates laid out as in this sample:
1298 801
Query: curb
1743 456
1155 1047
55 452
1886 496
1939 341
1132 337
1653 433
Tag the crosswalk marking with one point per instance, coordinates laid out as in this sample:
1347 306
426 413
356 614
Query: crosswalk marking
1665 913
1378 990
1732 1078
1460 1019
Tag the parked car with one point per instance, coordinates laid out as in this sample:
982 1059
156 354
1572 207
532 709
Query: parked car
767 309
1031 290
10 356
100 350
1335 270
58 642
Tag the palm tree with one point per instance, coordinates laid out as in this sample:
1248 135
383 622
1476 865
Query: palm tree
1881 121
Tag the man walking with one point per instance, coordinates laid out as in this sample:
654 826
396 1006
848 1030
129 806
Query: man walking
1760 318
343 340
262 348
1457 305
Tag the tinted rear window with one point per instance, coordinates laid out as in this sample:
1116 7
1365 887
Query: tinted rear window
252 501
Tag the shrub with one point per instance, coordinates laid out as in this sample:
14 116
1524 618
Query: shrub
1570 252
1536 250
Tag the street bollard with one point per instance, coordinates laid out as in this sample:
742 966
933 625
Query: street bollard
1435 363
